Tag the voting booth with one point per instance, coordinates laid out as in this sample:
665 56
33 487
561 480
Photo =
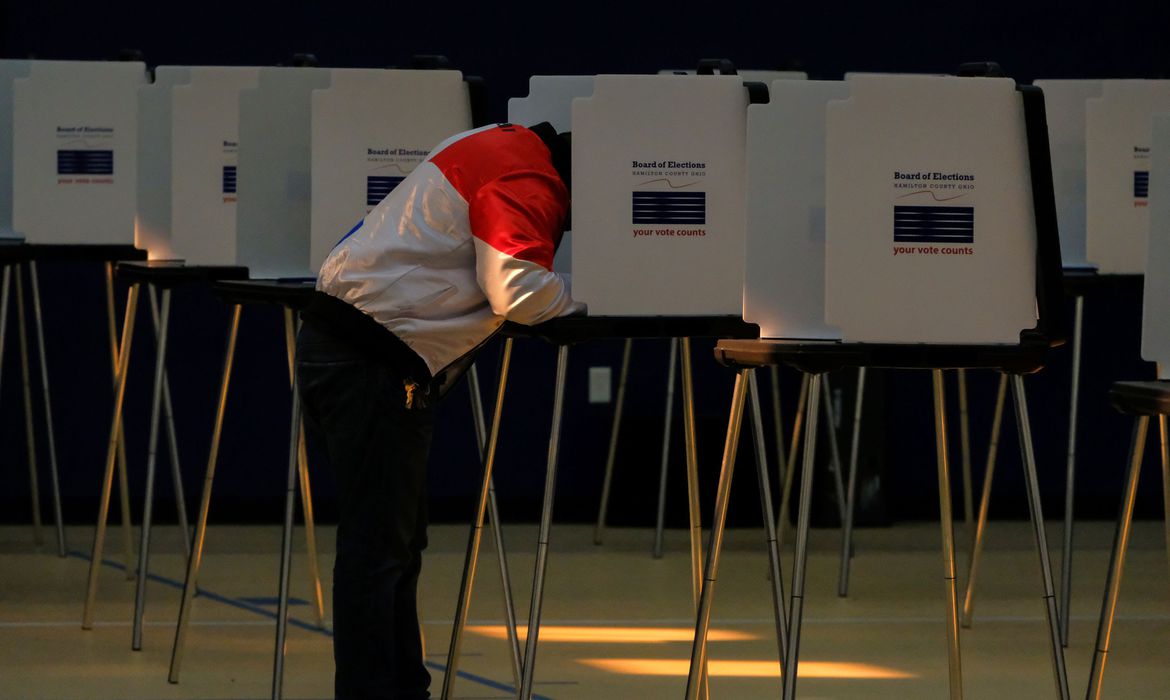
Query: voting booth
74 151
189 141
658 195
1066 103
929 200
1145 401
941 251
550 99
369 130
1117 159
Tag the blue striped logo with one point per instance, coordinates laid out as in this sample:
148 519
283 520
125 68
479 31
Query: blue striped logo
934 224
378 186
1141 184
229 179
85 162
670 208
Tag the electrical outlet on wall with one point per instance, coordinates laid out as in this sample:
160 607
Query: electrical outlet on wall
599 385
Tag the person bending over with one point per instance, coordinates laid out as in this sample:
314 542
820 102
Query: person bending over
403 302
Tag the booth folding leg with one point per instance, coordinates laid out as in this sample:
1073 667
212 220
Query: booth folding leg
660 522
542 542
34 486
976 552
851 488
123 478
1164 435
1071 471
618 405
1120 545
789 474
95 562
151 460
295 433
161 410
778 425
196 558
471 560
786 627
1024 426
30 436
773 545
965 456
497 527
52 442
168 419
946 520
290 332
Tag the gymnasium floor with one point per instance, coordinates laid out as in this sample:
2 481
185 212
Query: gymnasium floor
615 623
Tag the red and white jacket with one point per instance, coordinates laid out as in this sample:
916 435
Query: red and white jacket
464 243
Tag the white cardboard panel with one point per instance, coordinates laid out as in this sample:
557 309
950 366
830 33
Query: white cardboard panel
1156 310
273 181
75 143
370 129
152 225
646 149
890 275
205 150
550 99
1065 102
1117 158
10 70
784 282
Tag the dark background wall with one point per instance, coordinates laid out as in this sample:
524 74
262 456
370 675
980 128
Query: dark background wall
505 44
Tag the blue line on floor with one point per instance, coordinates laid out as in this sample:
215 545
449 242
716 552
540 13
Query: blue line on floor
256 609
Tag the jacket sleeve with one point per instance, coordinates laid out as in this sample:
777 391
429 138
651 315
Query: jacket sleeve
516 223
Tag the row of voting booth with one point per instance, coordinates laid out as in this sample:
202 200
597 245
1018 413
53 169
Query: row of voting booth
880 221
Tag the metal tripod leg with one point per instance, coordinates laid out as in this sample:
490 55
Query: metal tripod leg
1070 475
834 449
797 424
497 527
778 424
30 436
948 539
550 483
151 461
984 502
694 513
53 474
95 561
796 611
661 521
619 402
1028 457
965 457
290 342
168 418
1164 438
295 431
471 560
851 489
123 480
768 513
1117 560
196 558
715 546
